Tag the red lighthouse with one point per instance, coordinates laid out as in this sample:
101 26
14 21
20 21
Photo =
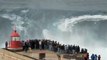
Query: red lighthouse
15 43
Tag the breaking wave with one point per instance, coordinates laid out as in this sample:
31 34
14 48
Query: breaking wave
18 22
66 24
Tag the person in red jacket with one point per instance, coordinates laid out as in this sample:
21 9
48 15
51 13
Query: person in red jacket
85 56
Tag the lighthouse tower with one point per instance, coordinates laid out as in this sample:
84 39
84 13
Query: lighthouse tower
15 43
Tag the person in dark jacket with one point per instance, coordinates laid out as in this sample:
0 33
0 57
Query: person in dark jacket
6 44
99 57
23 44
26 47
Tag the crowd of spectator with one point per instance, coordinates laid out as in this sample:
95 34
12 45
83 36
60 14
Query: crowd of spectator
45 44
52 45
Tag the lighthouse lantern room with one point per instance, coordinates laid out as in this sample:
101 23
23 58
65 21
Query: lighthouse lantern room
15 43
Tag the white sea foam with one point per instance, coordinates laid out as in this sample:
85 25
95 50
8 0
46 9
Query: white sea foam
66 24
17 21
25 11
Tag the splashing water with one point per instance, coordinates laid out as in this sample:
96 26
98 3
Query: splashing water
66 25
18 21
63 25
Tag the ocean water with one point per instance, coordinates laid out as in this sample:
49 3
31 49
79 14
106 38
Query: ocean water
87 29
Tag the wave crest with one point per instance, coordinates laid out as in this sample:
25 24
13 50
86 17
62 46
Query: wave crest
63 25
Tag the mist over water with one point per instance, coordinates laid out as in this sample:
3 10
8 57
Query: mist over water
68 27
79 36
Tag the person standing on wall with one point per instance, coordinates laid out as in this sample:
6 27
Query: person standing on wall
26 47
6 44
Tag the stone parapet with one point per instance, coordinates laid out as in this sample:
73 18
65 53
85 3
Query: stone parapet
7 55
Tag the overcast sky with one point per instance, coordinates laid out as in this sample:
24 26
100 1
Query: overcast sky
56 4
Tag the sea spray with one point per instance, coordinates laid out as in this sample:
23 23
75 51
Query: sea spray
66 24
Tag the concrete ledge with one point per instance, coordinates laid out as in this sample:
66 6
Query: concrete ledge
15 48
7 55
34 55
